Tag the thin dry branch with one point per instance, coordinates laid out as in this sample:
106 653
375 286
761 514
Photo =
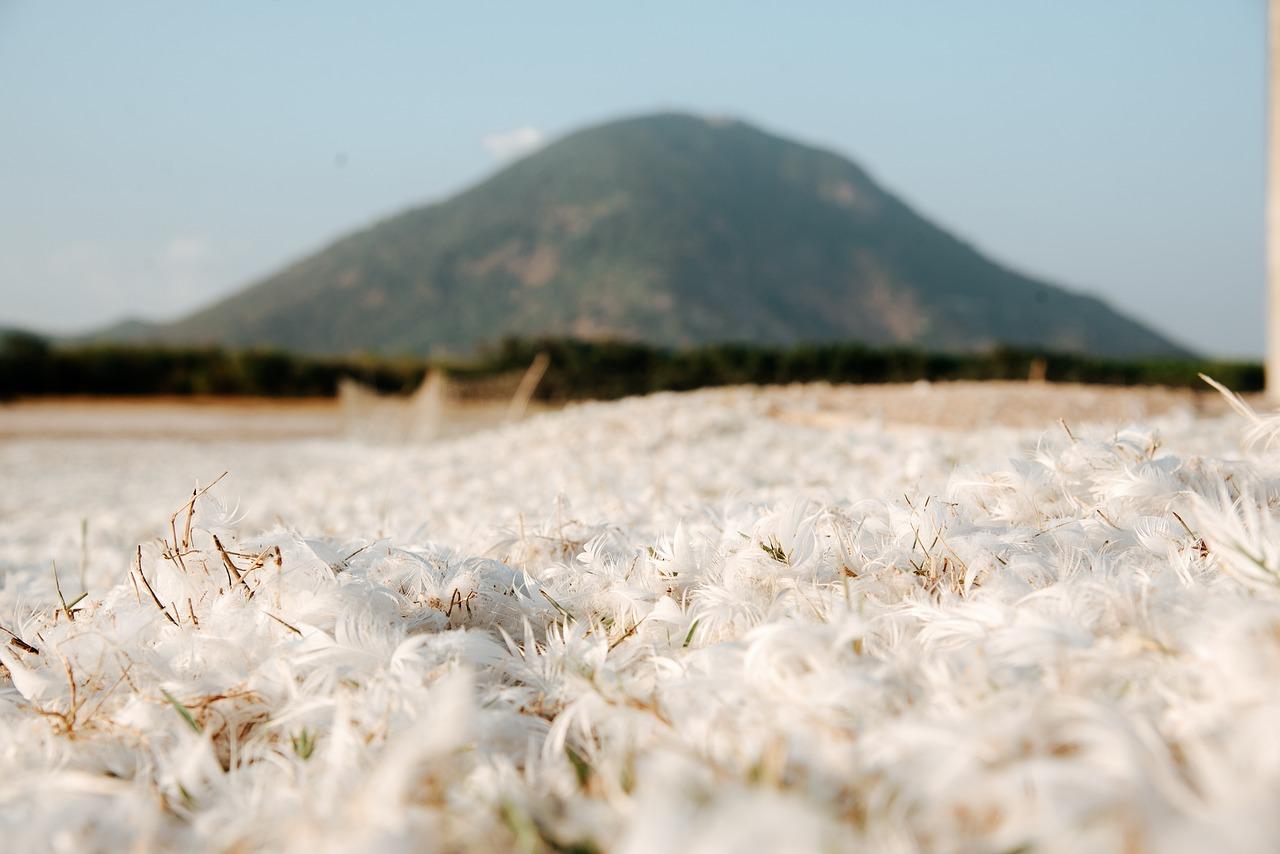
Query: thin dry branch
154 597
232 569
19 642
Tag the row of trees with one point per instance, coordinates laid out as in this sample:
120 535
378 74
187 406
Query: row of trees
30 367
613 369
578 369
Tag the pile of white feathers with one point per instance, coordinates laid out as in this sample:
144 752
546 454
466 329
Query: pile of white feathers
665 624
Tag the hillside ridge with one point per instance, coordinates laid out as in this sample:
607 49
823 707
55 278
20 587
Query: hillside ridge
668 229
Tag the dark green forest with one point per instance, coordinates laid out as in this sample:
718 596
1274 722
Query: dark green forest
32 367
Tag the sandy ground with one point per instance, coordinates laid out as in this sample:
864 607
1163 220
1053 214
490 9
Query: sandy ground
195 418
954 406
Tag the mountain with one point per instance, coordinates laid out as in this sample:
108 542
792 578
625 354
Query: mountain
670 229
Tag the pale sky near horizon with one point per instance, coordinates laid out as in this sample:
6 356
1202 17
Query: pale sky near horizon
155 156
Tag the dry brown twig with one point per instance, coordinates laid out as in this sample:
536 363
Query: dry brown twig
154 597
288 626
68 609
19 642
105 695
232 569
183 546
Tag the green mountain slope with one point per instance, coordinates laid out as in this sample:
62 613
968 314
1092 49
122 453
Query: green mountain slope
670 229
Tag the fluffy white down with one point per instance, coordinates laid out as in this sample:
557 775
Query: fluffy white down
670 623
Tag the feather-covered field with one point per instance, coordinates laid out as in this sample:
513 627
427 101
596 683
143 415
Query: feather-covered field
717 621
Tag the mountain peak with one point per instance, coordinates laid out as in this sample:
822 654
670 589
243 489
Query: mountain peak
670 228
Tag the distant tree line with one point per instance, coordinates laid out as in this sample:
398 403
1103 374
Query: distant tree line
30 366
581 369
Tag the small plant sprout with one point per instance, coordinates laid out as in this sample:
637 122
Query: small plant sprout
304 744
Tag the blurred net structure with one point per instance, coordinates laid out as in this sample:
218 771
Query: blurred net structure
443 405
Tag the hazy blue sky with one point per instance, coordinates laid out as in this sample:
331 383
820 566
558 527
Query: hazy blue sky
156 155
